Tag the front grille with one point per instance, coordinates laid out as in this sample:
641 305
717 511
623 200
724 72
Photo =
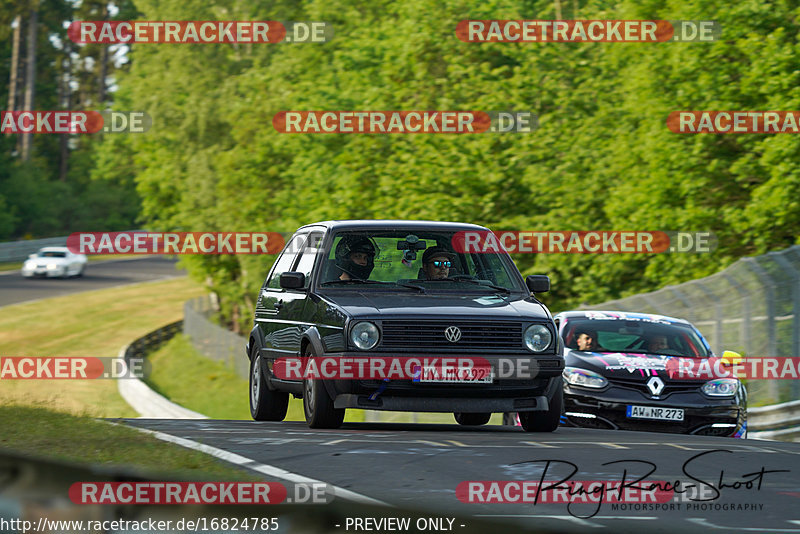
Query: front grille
416 335
670 386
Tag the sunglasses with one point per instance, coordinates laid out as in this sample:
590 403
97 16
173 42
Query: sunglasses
438 263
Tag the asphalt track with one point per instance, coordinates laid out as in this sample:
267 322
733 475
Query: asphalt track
418 467
14 288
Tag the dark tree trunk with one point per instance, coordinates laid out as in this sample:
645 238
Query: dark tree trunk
30 80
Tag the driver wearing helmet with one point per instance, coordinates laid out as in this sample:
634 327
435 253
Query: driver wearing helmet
355 256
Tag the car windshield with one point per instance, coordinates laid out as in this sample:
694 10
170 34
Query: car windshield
52 254
635 335
380 259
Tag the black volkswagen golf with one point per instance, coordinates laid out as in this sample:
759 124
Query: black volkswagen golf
397 291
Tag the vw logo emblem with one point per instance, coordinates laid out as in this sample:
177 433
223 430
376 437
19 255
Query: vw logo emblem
452 333
655 385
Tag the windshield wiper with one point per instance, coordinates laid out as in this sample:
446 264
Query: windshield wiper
411 286
478 282
381 282
355 281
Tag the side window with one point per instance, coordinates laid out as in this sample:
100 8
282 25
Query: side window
285 261
309 255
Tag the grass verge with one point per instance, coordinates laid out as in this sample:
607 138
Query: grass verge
183 375
94 323
40 432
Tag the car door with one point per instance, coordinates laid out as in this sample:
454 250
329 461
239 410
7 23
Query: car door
272 298
292 315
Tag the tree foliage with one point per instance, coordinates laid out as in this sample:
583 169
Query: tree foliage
602 158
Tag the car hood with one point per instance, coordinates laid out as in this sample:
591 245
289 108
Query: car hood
630 366
484 306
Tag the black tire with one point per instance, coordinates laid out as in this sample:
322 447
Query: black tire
318 405
472 419
265 404
544 421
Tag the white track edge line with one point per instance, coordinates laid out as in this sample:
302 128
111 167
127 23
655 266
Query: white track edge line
270 470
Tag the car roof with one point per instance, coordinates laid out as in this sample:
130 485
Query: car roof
54 249
387 224
621 315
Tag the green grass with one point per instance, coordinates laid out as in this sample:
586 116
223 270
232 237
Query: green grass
186 377
37 431
206 386
93 323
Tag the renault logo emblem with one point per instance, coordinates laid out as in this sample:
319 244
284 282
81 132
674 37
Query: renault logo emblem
655 385
452 333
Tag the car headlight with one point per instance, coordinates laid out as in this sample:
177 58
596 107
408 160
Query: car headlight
537 337
721 387
364 335
584 378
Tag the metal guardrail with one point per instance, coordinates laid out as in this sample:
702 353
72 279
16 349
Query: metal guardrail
138 394
779 422
152 341
212 340
20 250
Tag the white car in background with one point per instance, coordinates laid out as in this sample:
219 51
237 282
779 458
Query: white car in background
54 262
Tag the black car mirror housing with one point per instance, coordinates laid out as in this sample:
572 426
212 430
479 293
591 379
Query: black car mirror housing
538 283
293 280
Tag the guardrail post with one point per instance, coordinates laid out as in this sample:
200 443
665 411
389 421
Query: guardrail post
685 301
717 316
788 268
769 296
744 331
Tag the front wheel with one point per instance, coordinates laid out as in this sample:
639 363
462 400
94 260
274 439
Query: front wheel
544 421
472 419
265 404
318 405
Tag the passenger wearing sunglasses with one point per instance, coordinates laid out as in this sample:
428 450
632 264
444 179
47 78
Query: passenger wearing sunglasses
436 263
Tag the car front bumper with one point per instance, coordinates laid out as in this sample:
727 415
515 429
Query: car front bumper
608 409
43 273
405 395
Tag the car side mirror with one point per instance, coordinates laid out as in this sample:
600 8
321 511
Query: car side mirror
731 358
31 256
538 283
293 280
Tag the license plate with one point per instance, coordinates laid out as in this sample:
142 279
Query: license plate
653 412
453 375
